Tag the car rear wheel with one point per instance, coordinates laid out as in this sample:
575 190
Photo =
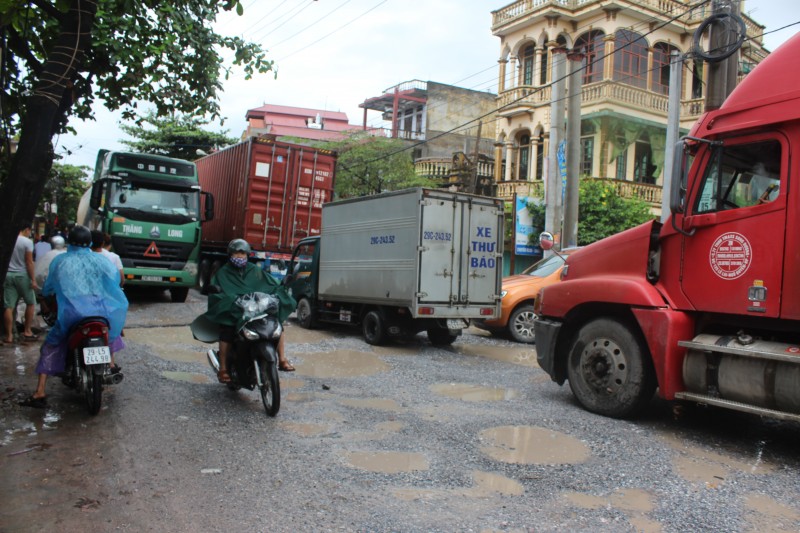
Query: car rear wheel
520 324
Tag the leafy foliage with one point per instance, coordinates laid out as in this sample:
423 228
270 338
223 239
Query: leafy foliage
178 136
370 165
602 212
64 187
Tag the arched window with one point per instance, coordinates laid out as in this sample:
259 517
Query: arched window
661 61
591 44
526 65
524 156
544 67
630 58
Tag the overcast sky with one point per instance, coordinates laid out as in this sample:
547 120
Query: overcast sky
334 54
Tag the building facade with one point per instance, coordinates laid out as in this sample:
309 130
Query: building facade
624 50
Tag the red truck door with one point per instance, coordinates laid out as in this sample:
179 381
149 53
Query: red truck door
732 262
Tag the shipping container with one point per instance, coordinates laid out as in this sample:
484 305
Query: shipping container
268 192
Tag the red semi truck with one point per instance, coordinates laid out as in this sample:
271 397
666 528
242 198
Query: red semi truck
706 307
265 191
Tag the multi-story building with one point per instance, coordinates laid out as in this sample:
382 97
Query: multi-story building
626 47
299 122
438 120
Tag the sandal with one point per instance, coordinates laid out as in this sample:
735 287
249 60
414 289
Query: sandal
286 367
223 376
38 403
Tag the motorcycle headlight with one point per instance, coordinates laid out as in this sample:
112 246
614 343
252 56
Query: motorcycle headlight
250 335
277 332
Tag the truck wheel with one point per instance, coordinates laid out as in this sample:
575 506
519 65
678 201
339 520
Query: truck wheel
204 275
609 369
520 324
178 294
374 328
305 314
441 337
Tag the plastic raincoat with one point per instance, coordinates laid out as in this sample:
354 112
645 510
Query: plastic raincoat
235 282
85 284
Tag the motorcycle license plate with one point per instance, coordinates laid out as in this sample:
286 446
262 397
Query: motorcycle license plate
96 355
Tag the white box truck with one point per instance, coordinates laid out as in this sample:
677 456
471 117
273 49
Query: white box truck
402 262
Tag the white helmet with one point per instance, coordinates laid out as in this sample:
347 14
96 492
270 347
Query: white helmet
57 242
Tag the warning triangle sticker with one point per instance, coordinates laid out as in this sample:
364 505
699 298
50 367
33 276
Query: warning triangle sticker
152 250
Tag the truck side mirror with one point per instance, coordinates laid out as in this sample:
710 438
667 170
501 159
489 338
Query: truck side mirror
677 194
546 240
96 197
208 214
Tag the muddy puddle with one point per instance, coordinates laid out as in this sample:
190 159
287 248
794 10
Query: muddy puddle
635 503
532 445
770 515
171 343
470 392
387 462
712 468
339 364
380 404
523 355
188 377
485 485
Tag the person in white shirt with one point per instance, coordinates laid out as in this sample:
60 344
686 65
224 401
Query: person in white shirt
42 263
20 283
98 241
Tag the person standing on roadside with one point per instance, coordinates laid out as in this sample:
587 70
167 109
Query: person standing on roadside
20 283
98 240
41 247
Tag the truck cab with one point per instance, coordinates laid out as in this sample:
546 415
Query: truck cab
703 308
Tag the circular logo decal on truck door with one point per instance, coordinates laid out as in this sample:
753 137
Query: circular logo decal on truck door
730 255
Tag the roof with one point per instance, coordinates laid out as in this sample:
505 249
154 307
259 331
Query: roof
270 109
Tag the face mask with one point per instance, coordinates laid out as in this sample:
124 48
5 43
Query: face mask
239 262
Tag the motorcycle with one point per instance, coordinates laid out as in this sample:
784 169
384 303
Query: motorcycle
88 368
253 359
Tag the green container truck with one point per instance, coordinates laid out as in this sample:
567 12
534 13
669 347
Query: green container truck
151 207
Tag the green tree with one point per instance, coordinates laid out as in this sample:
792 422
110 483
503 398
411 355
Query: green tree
64 188
370 165
61 55
179 136
603 212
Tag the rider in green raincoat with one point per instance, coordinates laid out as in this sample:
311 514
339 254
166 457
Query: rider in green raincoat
235 278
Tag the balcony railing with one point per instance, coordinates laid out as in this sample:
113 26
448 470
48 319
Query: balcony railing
526 8
626 189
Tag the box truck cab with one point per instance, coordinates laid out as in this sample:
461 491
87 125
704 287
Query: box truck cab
705 308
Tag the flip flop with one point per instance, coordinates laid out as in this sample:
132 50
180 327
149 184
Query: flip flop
287 367
38 403
223 376
30 338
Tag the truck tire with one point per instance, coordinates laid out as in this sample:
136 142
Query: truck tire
374 328
305 314
178 294
520 324
441 337
609 369
204 275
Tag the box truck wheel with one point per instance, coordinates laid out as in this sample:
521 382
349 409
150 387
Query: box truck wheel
441 336
178 294
609 369
374 328
306 316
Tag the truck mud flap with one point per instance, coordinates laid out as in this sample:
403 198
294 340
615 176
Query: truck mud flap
546 333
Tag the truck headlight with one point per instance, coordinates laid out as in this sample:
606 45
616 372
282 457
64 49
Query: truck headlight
503 294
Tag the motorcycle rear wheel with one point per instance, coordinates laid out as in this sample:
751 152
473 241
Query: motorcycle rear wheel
270 387
93 391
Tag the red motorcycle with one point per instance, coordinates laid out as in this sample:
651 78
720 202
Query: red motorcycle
88 367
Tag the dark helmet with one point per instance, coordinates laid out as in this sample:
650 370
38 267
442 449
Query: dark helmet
238 245
80 236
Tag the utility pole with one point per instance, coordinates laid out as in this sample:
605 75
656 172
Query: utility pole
721 74
570 237
553 217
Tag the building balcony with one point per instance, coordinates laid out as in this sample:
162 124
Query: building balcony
524 99
523 12
626 189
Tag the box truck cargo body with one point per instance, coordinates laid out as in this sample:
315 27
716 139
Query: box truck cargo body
402 262
269 193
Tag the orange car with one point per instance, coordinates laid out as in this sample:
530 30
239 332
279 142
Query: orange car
519 291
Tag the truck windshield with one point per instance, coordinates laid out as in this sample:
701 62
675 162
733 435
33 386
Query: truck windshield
152 204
